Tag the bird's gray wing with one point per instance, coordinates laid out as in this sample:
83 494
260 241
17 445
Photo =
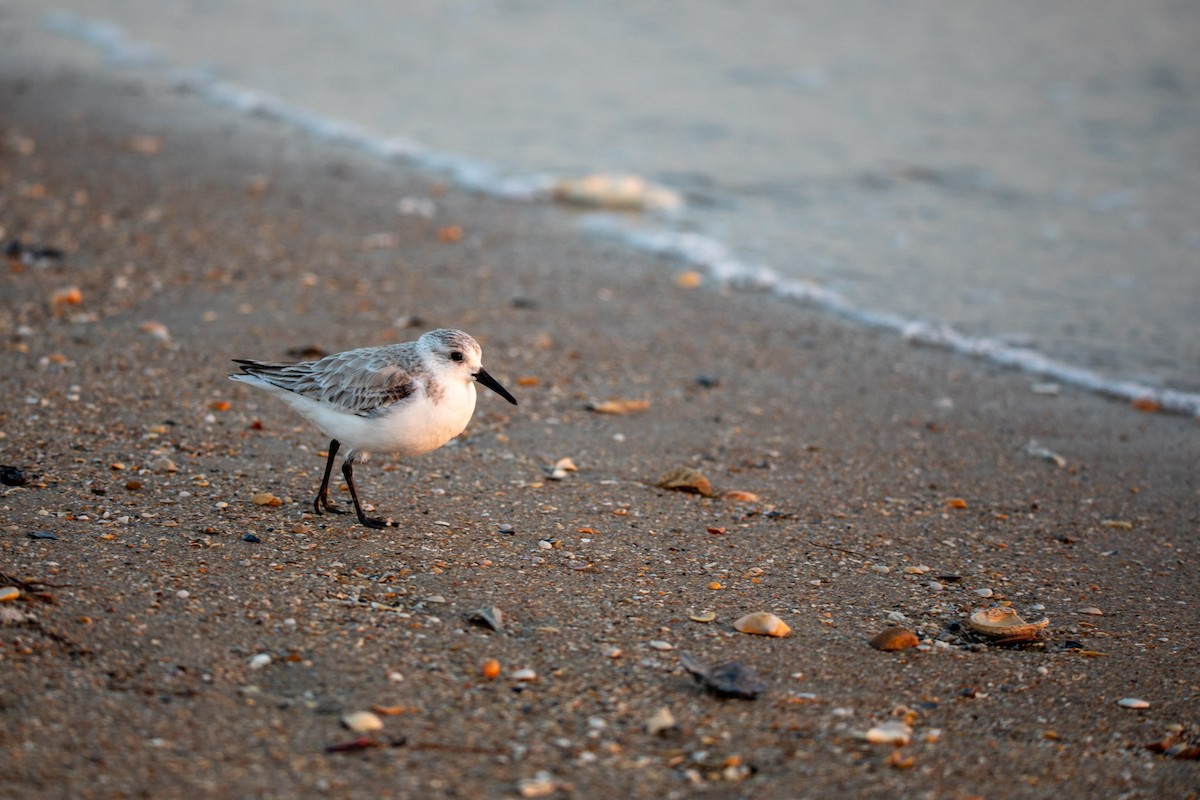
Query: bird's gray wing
366 381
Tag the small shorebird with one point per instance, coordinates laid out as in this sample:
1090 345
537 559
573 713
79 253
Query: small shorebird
406 399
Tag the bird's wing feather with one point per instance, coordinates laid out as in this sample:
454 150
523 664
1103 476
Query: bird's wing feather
365 381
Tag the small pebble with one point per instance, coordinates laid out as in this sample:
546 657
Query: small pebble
250 537
259 661
1132 702
659 644
41 535
1092 611
525 675
362 722
984 592
9 593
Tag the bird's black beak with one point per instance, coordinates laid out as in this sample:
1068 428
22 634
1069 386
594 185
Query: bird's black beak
494 385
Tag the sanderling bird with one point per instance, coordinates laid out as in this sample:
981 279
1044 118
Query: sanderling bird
406 399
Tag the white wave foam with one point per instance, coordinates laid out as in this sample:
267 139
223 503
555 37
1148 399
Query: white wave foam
724 268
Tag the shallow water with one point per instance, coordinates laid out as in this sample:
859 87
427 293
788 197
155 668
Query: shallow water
1023 178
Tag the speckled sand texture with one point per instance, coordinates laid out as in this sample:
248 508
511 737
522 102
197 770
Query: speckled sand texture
154 652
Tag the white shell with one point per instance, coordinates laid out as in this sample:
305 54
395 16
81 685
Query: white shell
762 623
1003 621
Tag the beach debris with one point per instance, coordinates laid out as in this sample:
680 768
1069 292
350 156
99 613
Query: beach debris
9 593
617 406
155 329
525 675
1048 389
362 722
659 644
490 669
762 623
414 206
393 711
1175 745
486 617
702 616
1149 405
13 476
689 279
616 191
561 468
1091 611
661 722
894 732
894 638
731 679
1046 454
955 502
984 592
259 661
1133 702
543 784
144 144
251 538
66 296
450 234
739 496
1004 625
685 479
41 535
1119 524
163 464
266 499
32 254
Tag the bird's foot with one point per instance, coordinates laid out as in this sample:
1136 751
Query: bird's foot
377 522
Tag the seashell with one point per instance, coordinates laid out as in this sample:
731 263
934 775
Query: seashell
894 732
685 479
617 191
362 722
894 638
762 623
1004 622
703 616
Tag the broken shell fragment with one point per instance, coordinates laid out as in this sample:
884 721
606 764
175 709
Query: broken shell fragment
486 617
685 479
731 679
661 723
1004 622
703 616
894 638
763 623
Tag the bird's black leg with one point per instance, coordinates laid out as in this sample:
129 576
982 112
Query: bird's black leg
370 522
321 501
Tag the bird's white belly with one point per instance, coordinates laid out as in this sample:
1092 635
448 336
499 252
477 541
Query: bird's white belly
414 426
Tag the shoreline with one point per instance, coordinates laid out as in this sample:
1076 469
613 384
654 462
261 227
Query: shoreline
195 236
722 267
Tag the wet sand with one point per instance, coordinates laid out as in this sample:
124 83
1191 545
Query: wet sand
131 660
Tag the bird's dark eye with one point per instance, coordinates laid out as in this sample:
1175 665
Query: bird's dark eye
456 356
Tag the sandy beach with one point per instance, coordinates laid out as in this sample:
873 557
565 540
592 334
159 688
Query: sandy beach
184 626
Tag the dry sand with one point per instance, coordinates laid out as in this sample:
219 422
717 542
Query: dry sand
129 660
